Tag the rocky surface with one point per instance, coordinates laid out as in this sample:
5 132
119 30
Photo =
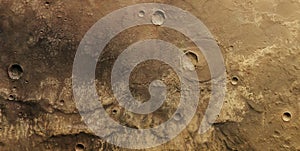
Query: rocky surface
259 39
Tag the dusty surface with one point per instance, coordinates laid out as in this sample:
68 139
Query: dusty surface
260 41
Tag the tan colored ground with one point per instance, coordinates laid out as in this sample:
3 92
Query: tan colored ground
259 39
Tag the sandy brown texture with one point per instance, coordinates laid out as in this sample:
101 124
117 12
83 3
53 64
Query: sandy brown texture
259 39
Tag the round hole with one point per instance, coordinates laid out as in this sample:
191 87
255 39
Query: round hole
234 80
11 97
15 71
114 111
286 116
79 147
141 13
177 116
158 18
61 102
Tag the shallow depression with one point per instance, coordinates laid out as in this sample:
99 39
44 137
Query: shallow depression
158 18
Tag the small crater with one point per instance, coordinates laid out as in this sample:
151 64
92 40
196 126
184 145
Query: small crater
141 13
235 80
114 111
158 18
286 116
192 62
11 97
177 116
15 71
79 147
61 102
193 56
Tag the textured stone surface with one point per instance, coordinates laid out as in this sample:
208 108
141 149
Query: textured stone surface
259 39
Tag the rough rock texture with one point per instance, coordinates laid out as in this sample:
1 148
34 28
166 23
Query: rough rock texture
259 39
